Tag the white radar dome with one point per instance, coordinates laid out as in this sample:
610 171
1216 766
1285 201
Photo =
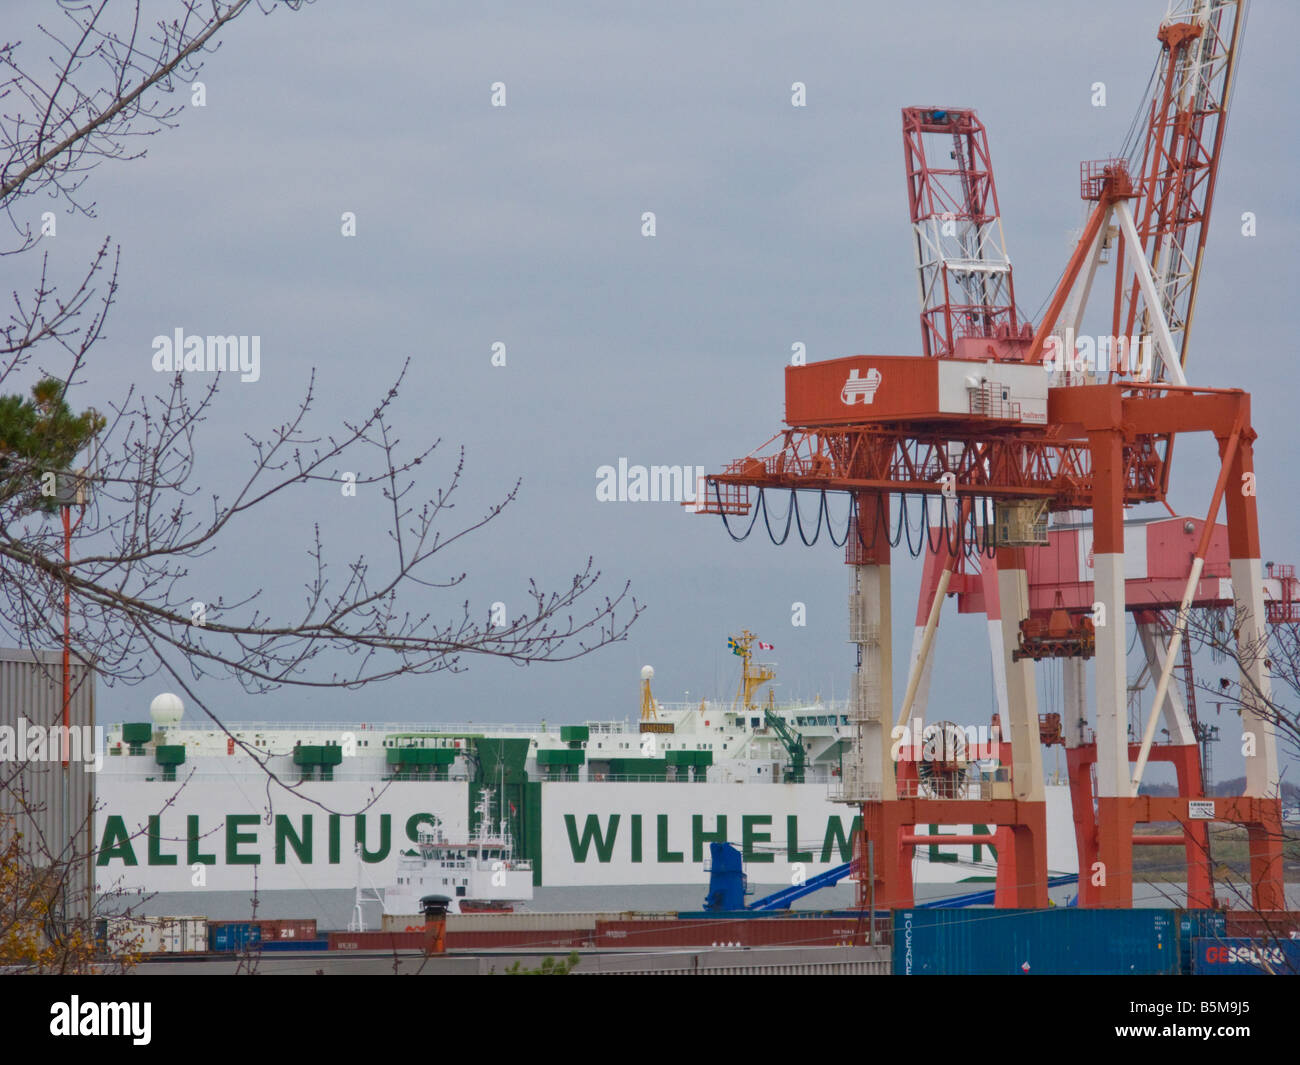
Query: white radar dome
647 672
166 709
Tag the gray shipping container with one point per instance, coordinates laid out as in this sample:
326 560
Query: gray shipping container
131 935
182 935
52 805
1065 940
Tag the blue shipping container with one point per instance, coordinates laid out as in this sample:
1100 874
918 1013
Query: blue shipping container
287 946
1061 941
1245 957
1197 924
233 936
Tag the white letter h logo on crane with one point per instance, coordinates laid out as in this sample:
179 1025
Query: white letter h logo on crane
860 387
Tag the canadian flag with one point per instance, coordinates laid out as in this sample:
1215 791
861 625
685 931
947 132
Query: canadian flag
766 646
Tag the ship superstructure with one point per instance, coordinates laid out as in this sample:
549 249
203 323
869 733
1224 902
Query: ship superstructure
478 874
593 804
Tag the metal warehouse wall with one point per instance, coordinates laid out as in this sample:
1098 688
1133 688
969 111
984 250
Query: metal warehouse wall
52 807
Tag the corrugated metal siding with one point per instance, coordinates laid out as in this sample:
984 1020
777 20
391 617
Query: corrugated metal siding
772 961
1264 924
494 922
1041 942
377 940
286 928
153 935
740 932
31 687
233 936
182 935
1193 924
522 939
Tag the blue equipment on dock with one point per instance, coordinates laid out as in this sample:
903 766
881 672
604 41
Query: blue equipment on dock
728 886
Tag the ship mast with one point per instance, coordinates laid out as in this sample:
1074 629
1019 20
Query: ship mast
752 676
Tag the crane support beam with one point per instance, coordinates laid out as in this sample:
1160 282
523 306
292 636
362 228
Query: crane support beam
1174 713
1156 315
1022 695
1184 608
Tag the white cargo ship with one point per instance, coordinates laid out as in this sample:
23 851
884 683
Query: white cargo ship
184 807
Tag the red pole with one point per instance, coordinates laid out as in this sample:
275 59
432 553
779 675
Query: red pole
67 629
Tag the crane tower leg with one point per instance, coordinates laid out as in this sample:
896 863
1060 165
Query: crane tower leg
1112 870
1029 835
1259 743
1022 696
997 645
873 779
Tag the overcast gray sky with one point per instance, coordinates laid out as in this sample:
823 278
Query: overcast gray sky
522 224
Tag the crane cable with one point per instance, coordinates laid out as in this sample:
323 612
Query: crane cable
965 535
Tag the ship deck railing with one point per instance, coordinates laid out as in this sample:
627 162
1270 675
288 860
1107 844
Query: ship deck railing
461 728
417 728
833 706
288 774
148 772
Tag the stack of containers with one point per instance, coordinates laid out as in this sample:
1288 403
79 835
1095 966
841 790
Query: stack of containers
1061 941
152 935
268 934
